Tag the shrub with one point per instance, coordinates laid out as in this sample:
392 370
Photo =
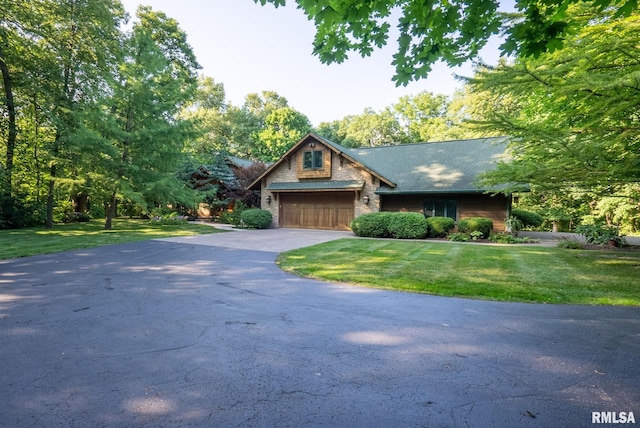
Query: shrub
513 225
440 226
476 234
256 218
234 217
372 225
459 237
600 234
407 226
505 238
570 244
468 225
19 211
169 219
528 218
76 217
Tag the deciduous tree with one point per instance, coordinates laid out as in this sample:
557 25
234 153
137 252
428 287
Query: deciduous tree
574 114
449 30
156 80
283 127
82 41
208 113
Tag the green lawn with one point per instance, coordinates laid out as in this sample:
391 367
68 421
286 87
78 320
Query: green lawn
506 273
32 241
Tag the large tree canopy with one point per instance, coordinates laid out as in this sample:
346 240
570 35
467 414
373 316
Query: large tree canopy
574 114
157 79
453 31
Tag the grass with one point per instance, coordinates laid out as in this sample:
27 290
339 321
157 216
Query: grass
32 241
505 273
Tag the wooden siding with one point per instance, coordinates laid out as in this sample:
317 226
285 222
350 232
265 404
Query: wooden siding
316 210
324 172
493 207
403 203
469 205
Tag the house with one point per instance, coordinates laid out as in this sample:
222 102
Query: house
319 184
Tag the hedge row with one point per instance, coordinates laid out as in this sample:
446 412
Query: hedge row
528 218
408 226
412 225
391 225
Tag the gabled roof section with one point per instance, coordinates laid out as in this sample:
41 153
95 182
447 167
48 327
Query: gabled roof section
440 167
238 162
448 166
337 148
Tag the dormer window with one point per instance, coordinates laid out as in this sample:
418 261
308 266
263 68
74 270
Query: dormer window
312 160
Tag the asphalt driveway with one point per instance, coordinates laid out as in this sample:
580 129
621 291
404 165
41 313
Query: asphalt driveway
207 331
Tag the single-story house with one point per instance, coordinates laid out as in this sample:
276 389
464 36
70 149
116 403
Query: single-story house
318 184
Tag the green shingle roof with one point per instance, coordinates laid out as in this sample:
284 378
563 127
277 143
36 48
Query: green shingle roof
441 167
449 166
239 162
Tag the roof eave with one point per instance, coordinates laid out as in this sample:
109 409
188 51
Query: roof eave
279 162
336 148
431 191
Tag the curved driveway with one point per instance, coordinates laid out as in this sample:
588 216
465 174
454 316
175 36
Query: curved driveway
207 331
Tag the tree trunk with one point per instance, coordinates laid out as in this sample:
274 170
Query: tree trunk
50 194
111 212
11 116
80 202
52 184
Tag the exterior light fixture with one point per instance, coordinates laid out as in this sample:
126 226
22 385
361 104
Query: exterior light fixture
365 199
268 199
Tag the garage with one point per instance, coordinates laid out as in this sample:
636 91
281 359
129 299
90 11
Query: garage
316 210
318 184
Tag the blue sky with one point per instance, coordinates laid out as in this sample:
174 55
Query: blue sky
250 48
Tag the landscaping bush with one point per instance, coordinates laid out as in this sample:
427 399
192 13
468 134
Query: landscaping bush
570 244
234 217
528 218
513 225
256 218
440 226
600 234
506 238
372 225
408 226
471 224
459 237
171 219
475 235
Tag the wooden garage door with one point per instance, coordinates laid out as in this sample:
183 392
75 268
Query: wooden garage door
317 210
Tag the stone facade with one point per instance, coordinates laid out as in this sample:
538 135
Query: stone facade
311 185
341 169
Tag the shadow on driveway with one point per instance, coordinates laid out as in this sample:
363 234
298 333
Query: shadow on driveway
175 333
